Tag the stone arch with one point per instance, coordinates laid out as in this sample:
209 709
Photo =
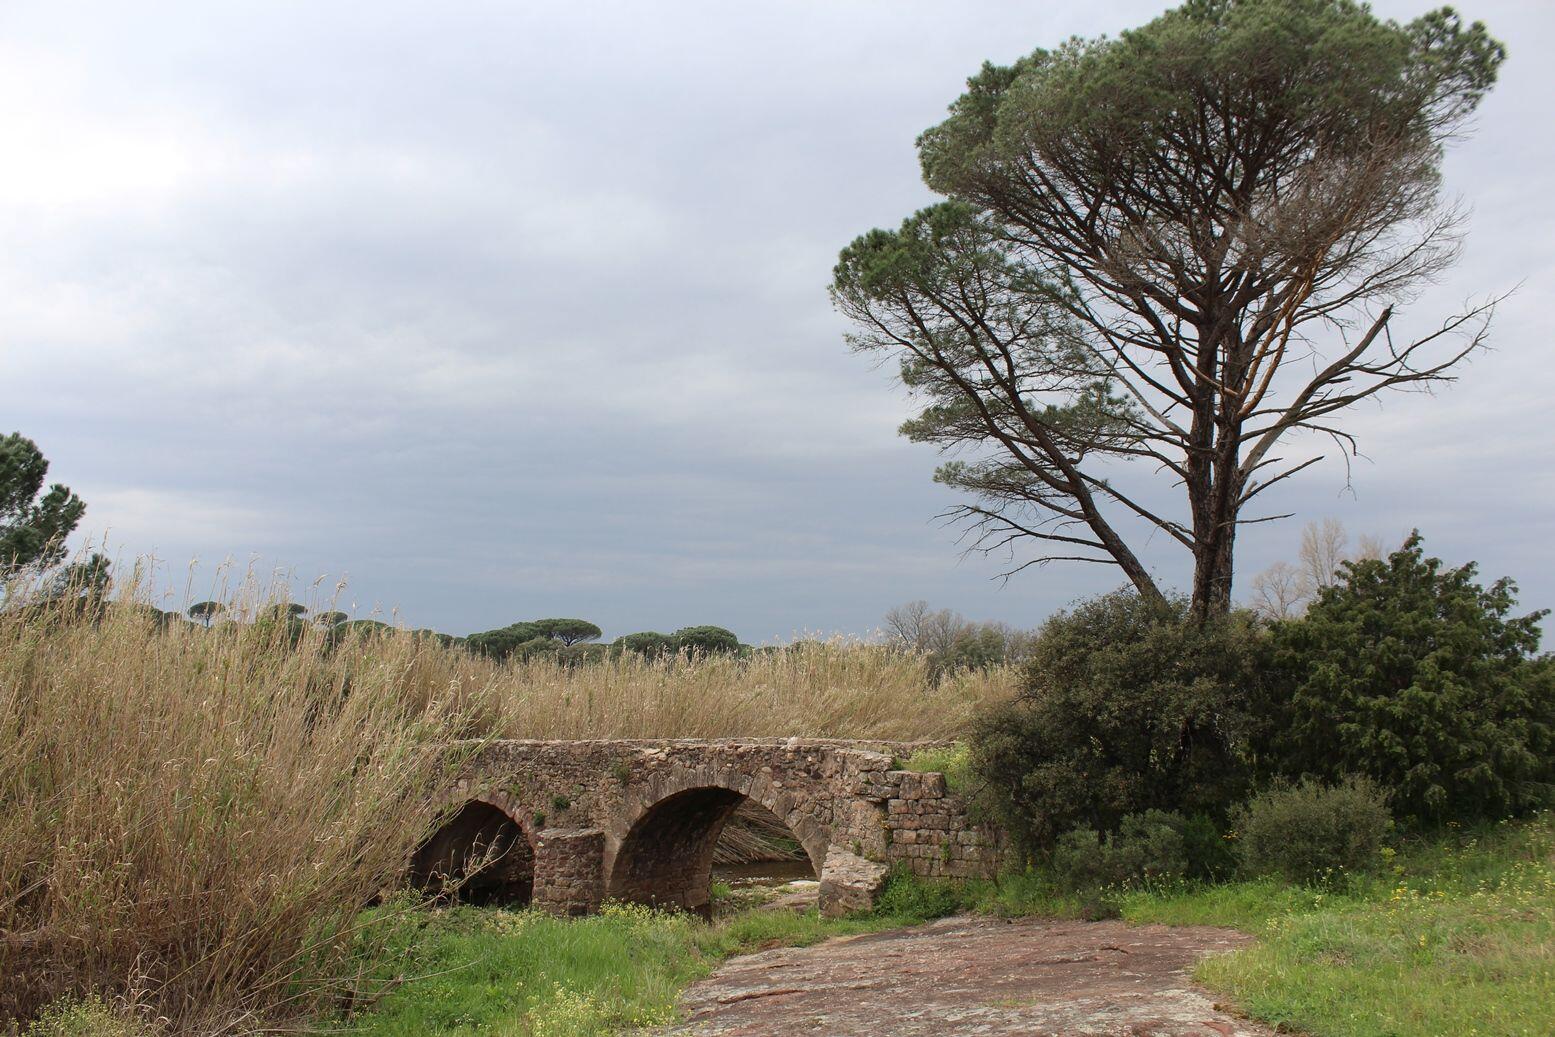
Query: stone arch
482 851
664 855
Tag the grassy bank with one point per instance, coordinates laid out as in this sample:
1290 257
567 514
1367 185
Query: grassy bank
1455 934
1458 936
525 974
827 689
466 971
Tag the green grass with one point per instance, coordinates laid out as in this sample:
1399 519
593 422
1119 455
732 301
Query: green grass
953 761
1033 893
1458 938
459 972
1455 935
469 971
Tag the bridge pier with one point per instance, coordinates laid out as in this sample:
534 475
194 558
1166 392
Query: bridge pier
569 871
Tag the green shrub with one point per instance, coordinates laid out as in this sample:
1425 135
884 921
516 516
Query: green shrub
1078 859
1420 678
1126 707
1310 832
581 654
1210 854
89 1017
978 646
910 898
1147 847
536 648
953 761
500 643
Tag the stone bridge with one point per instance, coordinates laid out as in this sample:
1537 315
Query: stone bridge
567 824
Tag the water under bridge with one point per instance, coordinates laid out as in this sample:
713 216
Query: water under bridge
565 825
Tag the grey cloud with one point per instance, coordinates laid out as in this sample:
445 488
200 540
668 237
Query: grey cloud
515 309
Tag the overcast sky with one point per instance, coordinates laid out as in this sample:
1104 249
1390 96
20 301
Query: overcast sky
501 310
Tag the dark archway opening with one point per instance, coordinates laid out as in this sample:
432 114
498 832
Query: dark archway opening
480 856
667 857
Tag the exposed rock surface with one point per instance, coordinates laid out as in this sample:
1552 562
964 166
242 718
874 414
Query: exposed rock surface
974 976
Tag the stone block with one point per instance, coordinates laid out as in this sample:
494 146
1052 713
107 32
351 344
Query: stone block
849 883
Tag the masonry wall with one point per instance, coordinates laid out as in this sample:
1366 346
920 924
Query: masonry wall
928 829
638 795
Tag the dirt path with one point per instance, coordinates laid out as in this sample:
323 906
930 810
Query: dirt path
973 976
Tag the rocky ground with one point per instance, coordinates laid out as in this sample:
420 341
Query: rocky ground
974 976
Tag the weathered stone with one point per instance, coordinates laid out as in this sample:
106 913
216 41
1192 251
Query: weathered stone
850 883
985 976
568 879
655 809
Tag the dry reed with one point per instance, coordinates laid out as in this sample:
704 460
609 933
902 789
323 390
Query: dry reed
195 818
826 689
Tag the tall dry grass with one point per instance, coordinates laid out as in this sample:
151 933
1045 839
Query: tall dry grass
191 819
827 689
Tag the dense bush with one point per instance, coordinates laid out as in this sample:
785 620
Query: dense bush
1126 707
1147 846
536 648
907 896
648 643
1211 856
698 641
951 642
1309 832
531 638
581 654
501 643
706 640
979 646
1420 678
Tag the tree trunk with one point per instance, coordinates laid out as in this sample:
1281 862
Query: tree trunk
1216 479
1212 568
1215 514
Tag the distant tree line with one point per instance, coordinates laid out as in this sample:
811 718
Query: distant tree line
569 641
565 640
528 639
